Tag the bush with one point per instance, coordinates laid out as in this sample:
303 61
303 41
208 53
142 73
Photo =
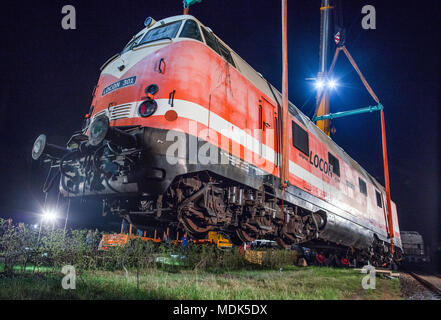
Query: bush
24 246
276 259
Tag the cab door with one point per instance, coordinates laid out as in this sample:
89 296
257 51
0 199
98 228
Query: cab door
268 126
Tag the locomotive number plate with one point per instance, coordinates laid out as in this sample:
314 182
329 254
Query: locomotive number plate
119 84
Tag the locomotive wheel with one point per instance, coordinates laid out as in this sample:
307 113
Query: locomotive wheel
193 228
245 236
282 243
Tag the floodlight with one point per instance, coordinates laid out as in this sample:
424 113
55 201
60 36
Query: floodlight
319 84
49 215
332 84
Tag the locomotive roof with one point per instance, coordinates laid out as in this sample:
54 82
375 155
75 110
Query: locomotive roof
262 84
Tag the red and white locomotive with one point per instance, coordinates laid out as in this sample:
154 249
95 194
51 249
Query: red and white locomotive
183 132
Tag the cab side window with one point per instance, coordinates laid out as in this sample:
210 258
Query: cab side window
191 30
210 40
335 164
221 50
363 187
226 54
300 138
379 199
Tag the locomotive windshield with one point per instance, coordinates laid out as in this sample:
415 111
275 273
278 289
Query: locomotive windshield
191 30
167 31
131 44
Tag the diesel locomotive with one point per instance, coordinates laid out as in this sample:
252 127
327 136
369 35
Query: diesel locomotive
184 133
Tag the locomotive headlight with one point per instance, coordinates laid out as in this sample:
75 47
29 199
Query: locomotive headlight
149 21
147 108
98 130
38 148
41 147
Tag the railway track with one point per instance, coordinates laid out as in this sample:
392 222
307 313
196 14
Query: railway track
430 282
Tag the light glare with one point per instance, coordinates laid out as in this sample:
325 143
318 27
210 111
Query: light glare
49 216
319 84
332 84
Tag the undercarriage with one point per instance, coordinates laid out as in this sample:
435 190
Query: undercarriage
204 202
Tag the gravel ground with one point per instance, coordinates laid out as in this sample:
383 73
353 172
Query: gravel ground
413 290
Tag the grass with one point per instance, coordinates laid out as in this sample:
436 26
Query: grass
311 283
29 268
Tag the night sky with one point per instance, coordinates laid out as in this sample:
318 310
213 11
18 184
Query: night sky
47 76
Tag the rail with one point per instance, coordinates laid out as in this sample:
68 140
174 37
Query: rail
427 284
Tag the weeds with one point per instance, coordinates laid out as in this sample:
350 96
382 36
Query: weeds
26 246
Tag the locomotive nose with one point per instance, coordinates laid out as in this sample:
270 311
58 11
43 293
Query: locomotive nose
41 147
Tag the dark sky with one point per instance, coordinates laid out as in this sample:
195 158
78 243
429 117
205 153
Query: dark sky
47 75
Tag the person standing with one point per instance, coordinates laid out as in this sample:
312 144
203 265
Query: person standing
165 239
184 240
89 238
95 238
124 226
